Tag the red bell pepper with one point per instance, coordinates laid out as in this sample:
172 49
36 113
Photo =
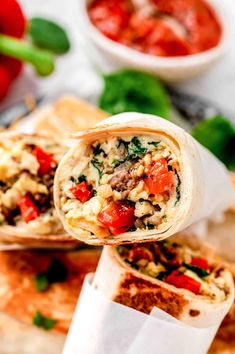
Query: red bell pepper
29 211
200 263
12 23
82 192
119 217
159 179
45 160
138 252
180 280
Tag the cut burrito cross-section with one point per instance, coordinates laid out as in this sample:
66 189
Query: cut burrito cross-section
27 168
137 178
181 276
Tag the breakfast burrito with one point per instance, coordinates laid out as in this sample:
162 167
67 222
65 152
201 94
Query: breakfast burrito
181 276
137 178
38 295
27 168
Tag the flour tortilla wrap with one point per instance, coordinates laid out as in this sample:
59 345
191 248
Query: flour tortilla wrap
120 282
19 176
20 299
201 177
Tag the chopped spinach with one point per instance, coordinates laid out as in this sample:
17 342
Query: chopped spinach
97 164
42 282
132 228
150 226
116 163
82 178
135 149
199 271
41 321
98 150
178 194
154 143
94 192
56 273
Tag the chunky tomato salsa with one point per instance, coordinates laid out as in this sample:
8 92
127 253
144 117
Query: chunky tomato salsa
162 28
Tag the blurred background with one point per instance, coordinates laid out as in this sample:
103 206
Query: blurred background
79 70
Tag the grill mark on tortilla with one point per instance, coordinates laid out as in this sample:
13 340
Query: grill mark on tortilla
142 295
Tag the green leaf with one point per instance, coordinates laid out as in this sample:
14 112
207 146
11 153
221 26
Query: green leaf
217 134
48 35
97 164
135 148
41 281
41 321
134 91
56 273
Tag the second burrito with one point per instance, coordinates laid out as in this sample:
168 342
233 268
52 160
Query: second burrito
137 178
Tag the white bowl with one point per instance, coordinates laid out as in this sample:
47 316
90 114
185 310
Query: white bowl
169 69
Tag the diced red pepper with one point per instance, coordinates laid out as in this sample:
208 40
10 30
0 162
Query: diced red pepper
200 263
159 179
180 280
140 252
29 211
45 160
82 192
119 217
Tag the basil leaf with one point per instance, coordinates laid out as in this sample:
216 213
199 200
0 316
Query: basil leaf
48 35
44 322
217 134
134 91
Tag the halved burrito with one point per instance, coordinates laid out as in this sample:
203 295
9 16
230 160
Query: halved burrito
137 178
27 168
180 276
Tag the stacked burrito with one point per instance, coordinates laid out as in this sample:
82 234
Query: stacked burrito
39 291
130 183
27 213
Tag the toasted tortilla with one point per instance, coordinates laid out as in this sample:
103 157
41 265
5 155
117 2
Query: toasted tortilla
19 298
125 285
66 115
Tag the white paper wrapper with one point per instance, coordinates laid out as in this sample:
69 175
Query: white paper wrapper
205 189
101 326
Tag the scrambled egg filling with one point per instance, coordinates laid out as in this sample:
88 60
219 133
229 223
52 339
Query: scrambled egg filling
177 265
26 174
137 171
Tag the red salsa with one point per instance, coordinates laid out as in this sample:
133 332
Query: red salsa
166 28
